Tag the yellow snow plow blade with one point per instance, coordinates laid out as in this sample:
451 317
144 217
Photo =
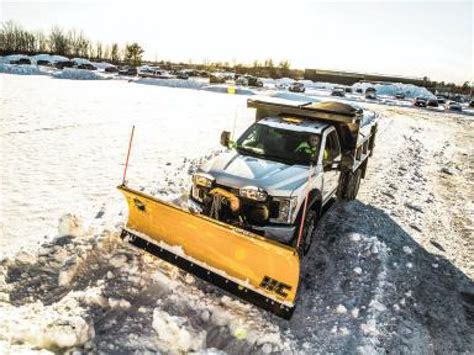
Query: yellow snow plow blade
247 265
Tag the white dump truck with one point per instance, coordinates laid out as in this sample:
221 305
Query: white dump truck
254 207
293 150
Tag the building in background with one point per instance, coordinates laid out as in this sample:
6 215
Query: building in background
349 78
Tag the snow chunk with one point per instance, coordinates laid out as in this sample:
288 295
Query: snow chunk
53 327
24 257
369 327
341 309
409 265
407 250
70 224
68 271
118 261
175 335
377 306
355 312
119 303
358 270
355 237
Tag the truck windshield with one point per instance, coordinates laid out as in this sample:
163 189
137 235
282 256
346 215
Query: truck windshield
287 146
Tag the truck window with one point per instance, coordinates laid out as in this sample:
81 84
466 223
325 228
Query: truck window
332 149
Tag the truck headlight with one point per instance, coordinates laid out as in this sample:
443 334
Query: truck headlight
203 180
253 193
287 208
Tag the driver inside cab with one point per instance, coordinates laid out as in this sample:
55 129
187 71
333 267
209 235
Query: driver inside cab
310 146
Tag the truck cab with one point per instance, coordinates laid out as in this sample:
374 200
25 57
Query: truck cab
261 183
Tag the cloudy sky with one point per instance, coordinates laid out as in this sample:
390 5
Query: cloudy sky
432 38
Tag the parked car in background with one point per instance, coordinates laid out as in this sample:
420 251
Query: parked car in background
86 66
43 62
21 61
371 94
359 91
182 75
216 79
420 101
128 71
441 99
111 69
400 96
296 87
248 80
64 64
453 106
432 103
338 92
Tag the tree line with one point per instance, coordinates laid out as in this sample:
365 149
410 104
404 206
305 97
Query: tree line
14 39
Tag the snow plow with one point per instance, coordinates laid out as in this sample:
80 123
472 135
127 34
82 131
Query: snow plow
249 266
253 208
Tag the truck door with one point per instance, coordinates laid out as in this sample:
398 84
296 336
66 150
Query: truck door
330 155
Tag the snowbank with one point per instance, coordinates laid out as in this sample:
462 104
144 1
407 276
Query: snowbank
174 83
49 58
390 89
80 61
20 69
103 65
13 57
78 74
228 89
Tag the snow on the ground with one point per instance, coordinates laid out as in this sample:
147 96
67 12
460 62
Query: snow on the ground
175 83
78 74
368 285
391 89
226 89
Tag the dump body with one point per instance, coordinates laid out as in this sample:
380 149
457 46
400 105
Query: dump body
356 128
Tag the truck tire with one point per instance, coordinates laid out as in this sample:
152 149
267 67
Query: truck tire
308 230
349 185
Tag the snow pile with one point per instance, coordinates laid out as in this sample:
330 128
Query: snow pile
175 334
228 89
49 58
61 325
166 310
391 89
26 69
78 74
103 65
12 58
80 61
174 83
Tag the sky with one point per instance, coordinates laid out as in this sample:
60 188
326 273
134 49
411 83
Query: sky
408 38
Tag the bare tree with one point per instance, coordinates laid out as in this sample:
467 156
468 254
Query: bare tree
58 41
134 53
114 53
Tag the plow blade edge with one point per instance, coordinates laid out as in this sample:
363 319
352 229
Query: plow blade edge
255 269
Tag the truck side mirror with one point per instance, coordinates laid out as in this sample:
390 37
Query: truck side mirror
225 138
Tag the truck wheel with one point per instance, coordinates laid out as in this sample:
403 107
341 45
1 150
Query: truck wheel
349 185
308 229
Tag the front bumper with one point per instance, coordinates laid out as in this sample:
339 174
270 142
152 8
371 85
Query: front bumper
280 233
